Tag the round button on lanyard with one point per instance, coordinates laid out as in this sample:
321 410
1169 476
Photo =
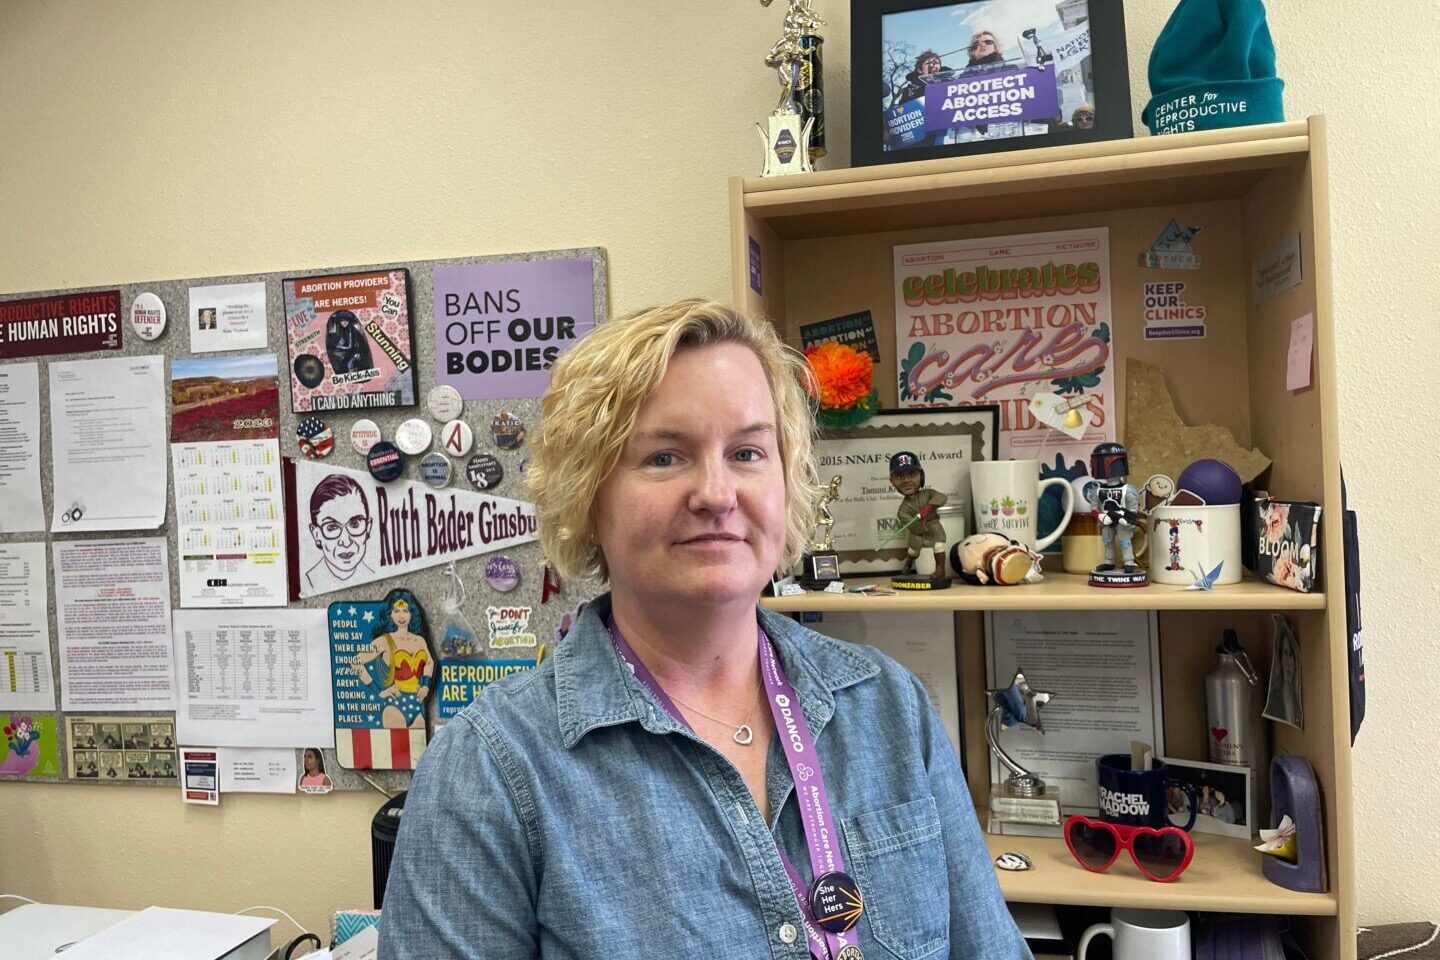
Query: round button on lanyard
833 903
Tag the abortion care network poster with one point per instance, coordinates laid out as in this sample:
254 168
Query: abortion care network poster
1002 319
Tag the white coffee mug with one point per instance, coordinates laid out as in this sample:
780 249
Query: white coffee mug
1190 542
1143 935
1007 499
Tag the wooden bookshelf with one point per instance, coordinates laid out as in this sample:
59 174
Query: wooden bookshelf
1058 591
826 244
1223 878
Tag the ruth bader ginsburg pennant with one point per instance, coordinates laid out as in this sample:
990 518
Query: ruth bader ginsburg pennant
353 529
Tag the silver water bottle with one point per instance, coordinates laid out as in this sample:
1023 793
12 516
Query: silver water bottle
1235 734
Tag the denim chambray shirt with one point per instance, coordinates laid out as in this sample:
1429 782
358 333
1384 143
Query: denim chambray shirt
566 814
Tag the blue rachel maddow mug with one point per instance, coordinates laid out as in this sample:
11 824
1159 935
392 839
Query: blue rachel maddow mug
1143 798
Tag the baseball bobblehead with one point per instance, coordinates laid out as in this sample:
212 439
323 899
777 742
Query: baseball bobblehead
919 520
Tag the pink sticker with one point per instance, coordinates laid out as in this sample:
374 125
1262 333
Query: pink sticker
1302 349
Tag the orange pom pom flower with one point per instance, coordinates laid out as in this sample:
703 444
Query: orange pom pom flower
845 379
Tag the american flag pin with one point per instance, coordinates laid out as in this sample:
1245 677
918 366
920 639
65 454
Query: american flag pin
315 439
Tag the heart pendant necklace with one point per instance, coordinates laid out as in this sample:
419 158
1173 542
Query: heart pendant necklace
743 734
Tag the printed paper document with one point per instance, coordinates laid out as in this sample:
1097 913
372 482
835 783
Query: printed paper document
107 435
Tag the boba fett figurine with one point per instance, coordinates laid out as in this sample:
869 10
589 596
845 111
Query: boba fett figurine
1117 508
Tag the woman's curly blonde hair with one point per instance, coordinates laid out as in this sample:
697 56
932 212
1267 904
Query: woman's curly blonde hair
595 395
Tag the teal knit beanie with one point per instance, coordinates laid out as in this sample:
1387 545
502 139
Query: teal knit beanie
1213 66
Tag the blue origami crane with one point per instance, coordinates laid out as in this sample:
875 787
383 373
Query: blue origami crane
1203 580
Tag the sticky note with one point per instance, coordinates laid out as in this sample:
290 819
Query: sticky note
1302 348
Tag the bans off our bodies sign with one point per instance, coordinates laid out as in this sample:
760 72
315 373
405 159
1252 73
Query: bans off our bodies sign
501 325
65 323
354 530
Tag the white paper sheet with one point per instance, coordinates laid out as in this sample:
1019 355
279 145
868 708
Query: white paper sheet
26 673
254 678
161 933
228 317
112 606
258 770
107 436
1103 667
230 515
922 640
21 510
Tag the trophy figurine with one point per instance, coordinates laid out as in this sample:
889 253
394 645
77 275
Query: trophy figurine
1023 797
787 133
821 565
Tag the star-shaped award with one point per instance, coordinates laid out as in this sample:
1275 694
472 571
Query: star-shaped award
1020 704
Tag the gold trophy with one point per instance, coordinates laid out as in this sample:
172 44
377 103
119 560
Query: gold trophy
1023 797
787 133
820 564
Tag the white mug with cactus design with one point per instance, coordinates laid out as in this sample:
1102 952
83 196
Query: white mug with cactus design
1007 500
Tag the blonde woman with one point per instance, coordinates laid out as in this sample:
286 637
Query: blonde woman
631 797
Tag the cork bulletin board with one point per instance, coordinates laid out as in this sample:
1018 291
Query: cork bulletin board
468 341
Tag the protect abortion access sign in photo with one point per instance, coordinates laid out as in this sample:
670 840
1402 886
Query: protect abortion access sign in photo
500 325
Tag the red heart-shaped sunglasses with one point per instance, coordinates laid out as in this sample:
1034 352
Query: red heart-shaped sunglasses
1162 855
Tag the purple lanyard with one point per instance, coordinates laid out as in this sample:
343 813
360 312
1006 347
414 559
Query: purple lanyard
840 894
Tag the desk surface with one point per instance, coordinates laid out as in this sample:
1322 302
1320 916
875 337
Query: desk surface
34 931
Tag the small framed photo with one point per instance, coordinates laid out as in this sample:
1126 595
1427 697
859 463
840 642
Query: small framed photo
1226 796
941 78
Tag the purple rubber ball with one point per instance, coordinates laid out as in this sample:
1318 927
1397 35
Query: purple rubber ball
1215 481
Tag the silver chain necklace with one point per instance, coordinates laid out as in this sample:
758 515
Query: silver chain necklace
743 734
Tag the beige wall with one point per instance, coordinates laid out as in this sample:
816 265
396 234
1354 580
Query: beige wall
144 140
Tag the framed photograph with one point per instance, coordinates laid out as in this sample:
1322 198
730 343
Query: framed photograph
946 439
1226 795
933 78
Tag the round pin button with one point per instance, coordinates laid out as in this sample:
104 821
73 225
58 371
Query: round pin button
314 437
507 431
484 471
1015 862
413 436
502 573
435 469
835 902
147 316
457 439
850 952
364 435
309 370
385 461
444 402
